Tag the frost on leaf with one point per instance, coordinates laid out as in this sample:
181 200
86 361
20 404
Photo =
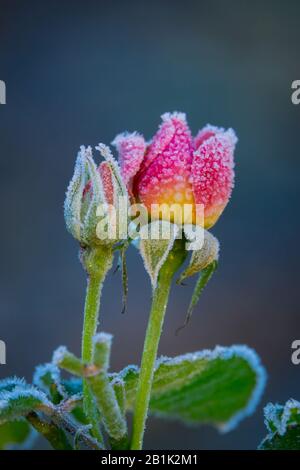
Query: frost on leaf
9 384
219 387
47 378
21 401
283 424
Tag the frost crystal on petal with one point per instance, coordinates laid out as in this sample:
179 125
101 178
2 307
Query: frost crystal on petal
131 149
213 174
205 133
164 176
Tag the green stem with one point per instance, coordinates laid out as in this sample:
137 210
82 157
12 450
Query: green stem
153 333
91 310
112 417
50 431
97 263
154 329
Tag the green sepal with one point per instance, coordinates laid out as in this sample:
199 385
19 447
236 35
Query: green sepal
20 402
154 248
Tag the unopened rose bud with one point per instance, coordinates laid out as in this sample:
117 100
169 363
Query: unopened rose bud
92 204
175 169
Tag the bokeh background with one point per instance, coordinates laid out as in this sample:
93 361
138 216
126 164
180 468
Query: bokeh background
79 72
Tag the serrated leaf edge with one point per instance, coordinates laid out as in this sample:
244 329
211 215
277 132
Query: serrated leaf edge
226 353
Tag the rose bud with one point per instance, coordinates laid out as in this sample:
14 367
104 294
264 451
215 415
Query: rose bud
177 169
90 197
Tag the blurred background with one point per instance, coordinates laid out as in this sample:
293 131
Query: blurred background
82 71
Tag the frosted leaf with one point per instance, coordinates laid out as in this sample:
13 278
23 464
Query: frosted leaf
59 354
219 387
20 402
283 424
47 378
10 383
278 417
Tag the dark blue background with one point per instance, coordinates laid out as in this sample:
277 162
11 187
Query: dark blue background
78 72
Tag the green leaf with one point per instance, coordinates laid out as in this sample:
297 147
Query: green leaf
218 387
47 378
16 434
20 402
283 424
10 383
